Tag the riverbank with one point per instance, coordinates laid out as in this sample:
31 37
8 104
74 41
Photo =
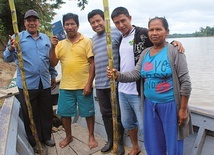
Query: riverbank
7 71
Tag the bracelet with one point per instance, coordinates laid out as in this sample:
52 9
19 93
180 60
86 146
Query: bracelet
172 42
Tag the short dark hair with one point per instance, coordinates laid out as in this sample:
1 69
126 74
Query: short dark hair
95 12
163 20
118 11
70 16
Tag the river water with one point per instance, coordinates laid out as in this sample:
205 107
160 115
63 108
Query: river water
200 56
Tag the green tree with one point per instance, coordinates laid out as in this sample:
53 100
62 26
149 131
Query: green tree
44 8
204 32
81 4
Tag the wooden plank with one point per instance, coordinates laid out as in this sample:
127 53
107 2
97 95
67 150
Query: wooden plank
8 92
203 121
4 93
208 147
79 145
58 136
201 111
23 146
198 145
81 134
5 117
51 150
13 127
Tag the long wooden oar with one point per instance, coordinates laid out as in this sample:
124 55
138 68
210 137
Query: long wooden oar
21 65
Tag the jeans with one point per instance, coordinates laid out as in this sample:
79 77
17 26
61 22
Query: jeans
131 111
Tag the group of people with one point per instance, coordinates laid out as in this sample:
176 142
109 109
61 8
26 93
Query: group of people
153 82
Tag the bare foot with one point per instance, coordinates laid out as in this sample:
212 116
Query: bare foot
92 142
135 151
65 142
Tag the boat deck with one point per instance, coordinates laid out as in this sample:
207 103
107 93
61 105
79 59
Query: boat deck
12 127
79 145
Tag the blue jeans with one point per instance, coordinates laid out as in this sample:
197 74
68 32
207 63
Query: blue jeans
131 111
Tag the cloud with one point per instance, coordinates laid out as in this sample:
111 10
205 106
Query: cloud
183 16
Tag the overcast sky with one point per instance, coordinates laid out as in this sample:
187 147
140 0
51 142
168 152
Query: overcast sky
184 16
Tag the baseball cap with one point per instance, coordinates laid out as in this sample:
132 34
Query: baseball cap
31 13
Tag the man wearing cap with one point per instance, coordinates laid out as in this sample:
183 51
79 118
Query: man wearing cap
40 77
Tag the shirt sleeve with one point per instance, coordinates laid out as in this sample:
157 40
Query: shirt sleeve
53 72
9 56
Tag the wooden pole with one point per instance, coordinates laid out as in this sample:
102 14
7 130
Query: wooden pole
21 65
114 103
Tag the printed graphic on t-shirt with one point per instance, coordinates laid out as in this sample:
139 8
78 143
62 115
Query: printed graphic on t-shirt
157 72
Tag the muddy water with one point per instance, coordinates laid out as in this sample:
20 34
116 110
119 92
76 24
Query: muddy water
200 57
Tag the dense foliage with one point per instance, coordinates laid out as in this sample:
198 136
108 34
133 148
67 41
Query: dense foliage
203 32
45 8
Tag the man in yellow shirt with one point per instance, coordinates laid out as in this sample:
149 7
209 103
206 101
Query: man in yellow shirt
77 63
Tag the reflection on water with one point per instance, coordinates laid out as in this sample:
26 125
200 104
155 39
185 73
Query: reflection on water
200 57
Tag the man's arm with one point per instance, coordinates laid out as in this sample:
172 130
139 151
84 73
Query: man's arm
9 54
53 73
53 59
179 44
88 87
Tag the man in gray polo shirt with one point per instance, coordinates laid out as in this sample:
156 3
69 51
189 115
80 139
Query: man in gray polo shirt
102 82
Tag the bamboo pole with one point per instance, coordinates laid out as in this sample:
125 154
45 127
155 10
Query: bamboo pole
114 103
21 65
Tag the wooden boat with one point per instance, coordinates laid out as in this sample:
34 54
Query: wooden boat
13 138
